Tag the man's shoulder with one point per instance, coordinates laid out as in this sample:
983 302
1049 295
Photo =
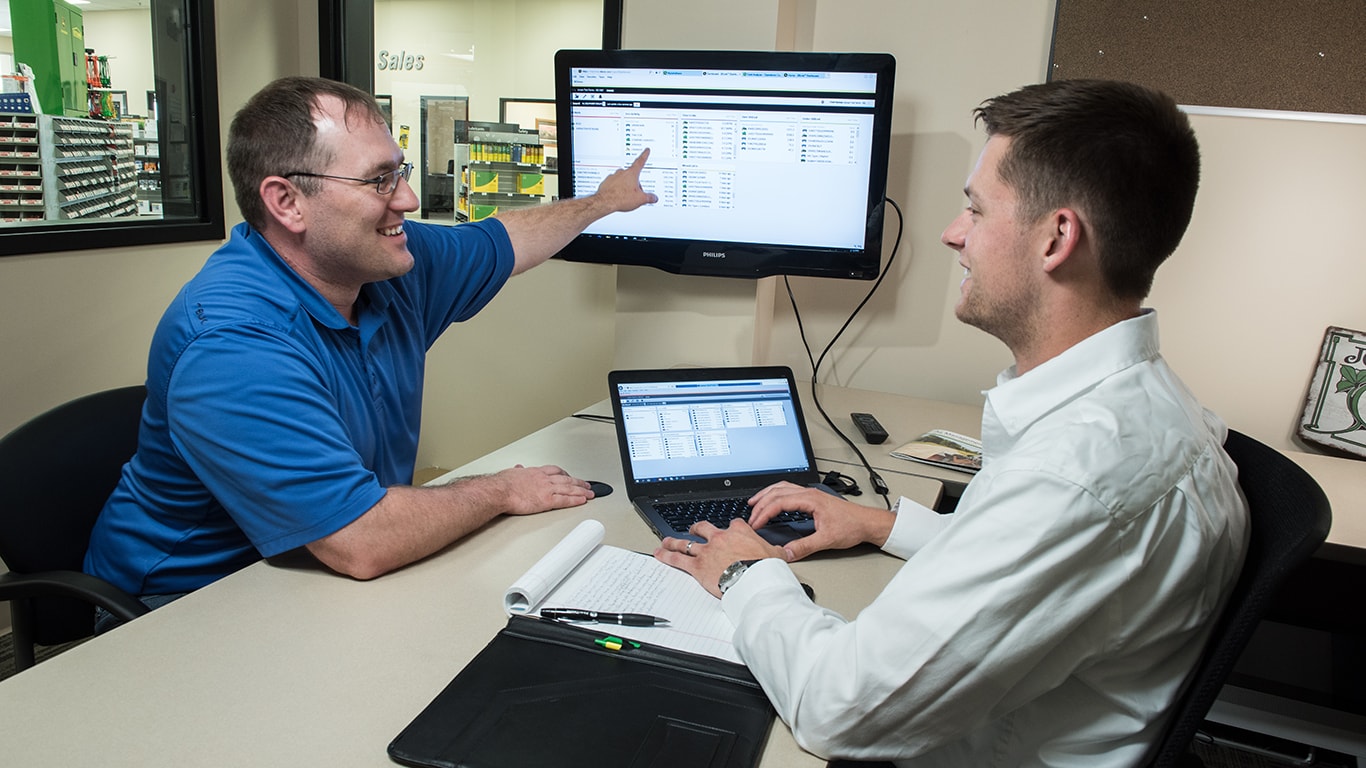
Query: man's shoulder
234 288
1125 450
479 252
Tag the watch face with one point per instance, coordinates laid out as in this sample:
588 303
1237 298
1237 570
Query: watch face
732 574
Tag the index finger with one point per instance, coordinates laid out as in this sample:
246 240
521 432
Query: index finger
703 528
774 500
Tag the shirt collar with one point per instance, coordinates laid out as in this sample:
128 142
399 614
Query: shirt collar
1018 401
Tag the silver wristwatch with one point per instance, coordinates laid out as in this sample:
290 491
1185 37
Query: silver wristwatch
732 574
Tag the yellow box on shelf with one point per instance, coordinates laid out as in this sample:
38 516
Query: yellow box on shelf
485 181
531 183
480 212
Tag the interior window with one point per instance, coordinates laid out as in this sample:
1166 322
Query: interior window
108 124
469 87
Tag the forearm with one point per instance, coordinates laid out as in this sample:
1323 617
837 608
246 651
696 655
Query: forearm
797 669
869 689
410 523
541 232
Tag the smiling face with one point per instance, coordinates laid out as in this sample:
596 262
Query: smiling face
1000 289
355 235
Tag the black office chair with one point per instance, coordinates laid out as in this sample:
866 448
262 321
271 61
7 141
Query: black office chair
56 471
1290 517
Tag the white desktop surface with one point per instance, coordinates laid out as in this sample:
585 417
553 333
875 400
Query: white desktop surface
285 664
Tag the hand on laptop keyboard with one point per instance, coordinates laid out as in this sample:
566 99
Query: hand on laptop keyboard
719 512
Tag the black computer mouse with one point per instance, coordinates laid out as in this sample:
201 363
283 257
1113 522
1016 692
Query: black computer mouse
599 489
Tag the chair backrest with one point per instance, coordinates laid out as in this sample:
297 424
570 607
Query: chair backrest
1290 518
56 471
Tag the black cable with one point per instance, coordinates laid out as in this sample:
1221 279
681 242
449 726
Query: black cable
879 486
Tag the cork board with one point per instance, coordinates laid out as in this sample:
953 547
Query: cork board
1298 56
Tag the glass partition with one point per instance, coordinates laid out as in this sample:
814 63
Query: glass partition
108 124
466 83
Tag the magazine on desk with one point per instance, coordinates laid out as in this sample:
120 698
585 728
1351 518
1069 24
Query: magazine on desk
582 572
942 448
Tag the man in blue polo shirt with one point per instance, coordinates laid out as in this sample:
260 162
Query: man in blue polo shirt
284 382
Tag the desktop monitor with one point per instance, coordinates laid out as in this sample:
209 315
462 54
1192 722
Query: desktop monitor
765 163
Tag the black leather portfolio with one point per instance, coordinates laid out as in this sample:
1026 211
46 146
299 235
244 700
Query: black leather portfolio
549 694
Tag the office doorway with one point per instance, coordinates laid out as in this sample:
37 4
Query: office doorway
437 157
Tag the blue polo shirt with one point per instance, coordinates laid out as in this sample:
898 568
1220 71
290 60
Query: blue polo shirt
270 421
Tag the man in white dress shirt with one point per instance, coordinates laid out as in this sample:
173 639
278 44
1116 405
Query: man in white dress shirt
1052 618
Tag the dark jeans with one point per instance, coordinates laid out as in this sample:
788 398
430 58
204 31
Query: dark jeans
854 764
105 621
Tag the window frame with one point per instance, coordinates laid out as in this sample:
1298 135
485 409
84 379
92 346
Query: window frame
207 173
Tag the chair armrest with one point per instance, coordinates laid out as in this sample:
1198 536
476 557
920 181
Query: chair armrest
83 586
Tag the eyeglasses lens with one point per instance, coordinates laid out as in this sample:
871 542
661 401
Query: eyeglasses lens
389 181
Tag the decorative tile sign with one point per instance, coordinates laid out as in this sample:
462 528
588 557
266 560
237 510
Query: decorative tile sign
1335 413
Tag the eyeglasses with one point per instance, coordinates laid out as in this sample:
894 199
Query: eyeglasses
385 183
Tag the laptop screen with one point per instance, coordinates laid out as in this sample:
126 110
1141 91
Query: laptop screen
691 429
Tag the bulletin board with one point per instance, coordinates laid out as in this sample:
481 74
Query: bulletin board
1300 56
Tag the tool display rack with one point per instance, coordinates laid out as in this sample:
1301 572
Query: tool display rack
92 170
21 170
56 168
147 157
494 174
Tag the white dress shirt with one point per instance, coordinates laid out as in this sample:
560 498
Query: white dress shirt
1052 619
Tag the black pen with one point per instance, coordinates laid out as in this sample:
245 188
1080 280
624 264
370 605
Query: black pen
602 617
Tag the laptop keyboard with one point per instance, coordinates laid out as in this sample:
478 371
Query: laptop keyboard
719 512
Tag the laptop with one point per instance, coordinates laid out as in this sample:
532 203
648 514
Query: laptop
698 442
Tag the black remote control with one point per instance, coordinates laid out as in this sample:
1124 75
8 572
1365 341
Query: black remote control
871 429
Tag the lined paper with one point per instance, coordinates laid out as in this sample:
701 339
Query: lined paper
581 572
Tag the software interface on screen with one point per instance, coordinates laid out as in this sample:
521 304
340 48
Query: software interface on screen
736 155
677 430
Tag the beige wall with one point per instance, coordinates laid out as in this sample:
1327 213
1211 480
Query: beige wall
1272 258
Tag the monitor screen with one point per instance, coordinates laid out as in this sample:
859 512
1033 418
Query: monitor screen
765 163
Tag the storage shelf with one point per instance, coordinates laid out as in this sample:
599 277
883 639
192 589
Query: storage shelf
54 168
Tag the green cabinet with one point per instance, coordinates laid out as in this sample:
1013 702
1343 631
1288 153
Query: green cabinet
49 36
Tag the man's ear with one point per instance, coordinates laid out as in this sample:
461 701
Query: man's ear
1064 237
283 202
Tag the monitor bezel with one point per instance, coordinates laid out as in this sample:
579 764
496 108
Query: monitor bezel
740 260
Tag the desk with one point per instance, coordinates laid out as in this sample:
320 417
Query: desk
283 663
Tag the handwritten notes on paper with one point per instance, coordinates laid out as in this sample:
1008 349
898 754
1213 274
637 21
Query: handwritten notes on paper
582 572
